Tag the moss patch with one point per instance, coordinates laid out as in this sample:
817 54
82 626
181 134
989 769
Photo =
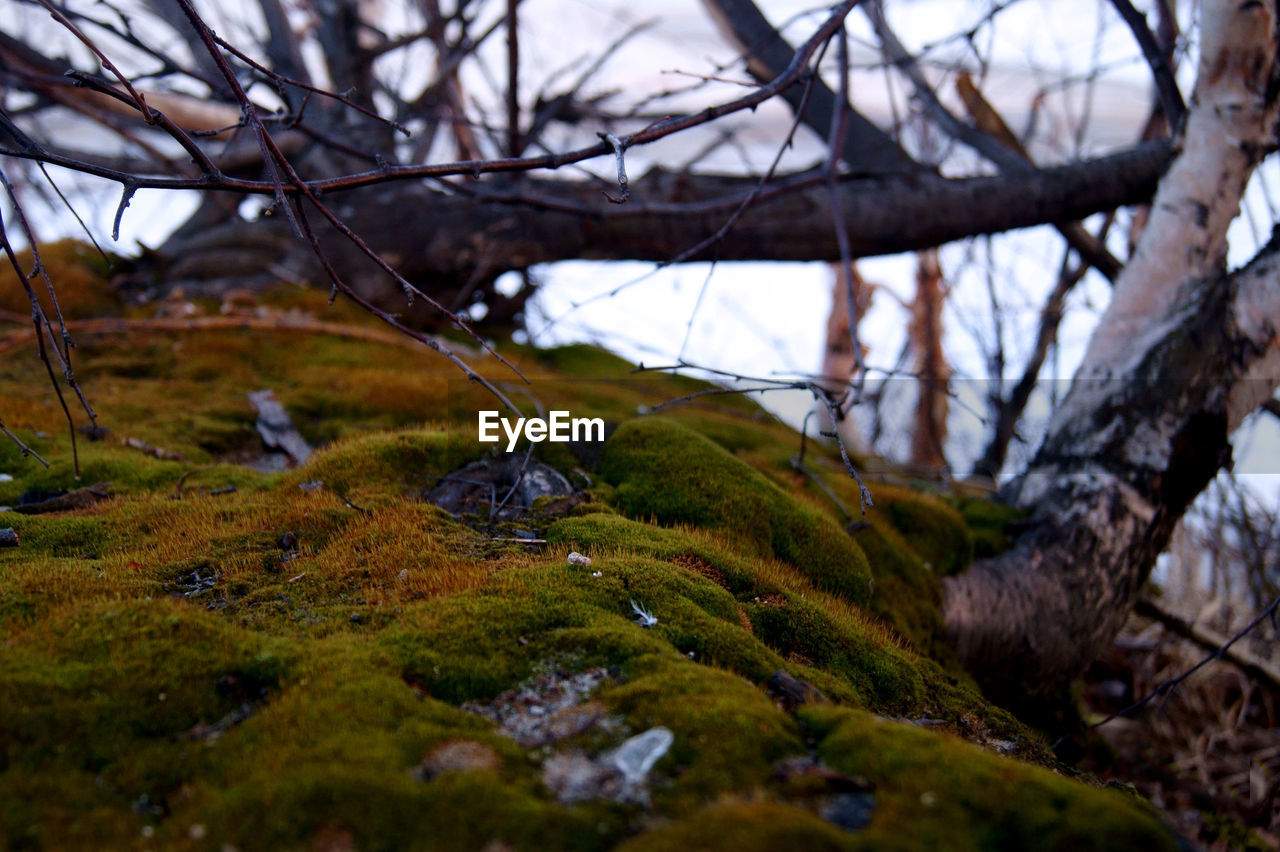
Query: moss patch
937 792
218 656
675 475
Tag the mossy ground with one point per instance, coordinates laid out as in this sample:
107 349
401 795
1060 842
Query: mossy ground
216 656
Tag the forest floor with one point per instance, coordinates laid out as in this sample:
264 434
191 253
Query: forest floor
675 638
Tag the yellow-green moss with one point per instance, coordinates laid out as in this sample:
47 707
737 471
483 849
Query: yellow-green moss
80 278
934 791
728 733
987 520
937 532
675 475
747 826
312 644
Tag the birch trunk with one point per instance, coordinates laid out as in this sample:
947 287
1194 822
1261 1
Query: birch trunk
1184 352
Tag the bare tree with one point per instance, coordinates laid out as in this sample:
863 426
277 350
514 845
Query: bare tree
432 219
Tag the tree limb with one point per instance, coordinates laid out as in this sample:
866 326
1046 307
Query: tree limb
867 149
1253 666
1175 109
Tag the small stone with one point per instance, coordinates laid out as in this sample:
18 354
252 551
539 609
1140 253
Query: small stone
403 576
457 756
793 692
576 558
635 757
577 778
850 811
1003 746
312 486
925 722
573 720
8 537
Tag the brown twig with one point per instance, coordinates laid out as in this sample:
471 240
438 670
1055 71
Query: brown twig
115 325
1253 666
138 100
1175 109
1220 652
22 448
514 143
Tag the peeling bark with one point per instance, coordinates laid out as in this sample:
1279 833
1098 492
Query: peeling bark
839 366
1184 352
932 372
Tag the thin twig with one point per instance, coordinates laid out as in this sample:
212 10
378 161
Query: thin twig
40 322
280 78
1253 666
835 146
1175 109
819 393
138 100
493 510
1173 682
514 145
618 151
22 448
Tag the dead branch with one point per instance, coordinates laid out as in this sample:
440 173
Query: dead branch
1255 667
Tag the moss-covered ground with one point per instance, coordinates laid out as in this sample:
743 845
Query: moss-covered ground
217 658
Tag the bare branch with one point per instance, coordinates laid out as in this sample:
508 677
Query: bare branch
991 147
1175 109
866 148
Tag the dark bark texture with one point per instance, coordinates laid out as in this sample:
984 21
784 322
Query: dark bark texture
454 245
1104 494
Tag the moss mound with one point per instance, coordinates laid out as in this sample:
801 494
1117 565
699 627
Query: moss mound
957 797
213 656
675 475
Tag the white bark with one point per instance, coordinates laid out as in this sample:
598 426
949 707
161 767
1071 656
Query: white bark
1182 355
1230 123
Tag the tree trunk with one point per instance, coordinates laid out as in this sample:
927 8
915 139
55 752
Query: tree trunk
931 370
1184 352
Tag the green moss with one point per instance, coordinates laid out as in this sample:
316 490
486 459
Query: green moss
698 551
937 532
80 277
409 459
745 827
665 471
61 535
934 791
728 734
312 645
987 520
98 702
470 646
803 631
905 594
